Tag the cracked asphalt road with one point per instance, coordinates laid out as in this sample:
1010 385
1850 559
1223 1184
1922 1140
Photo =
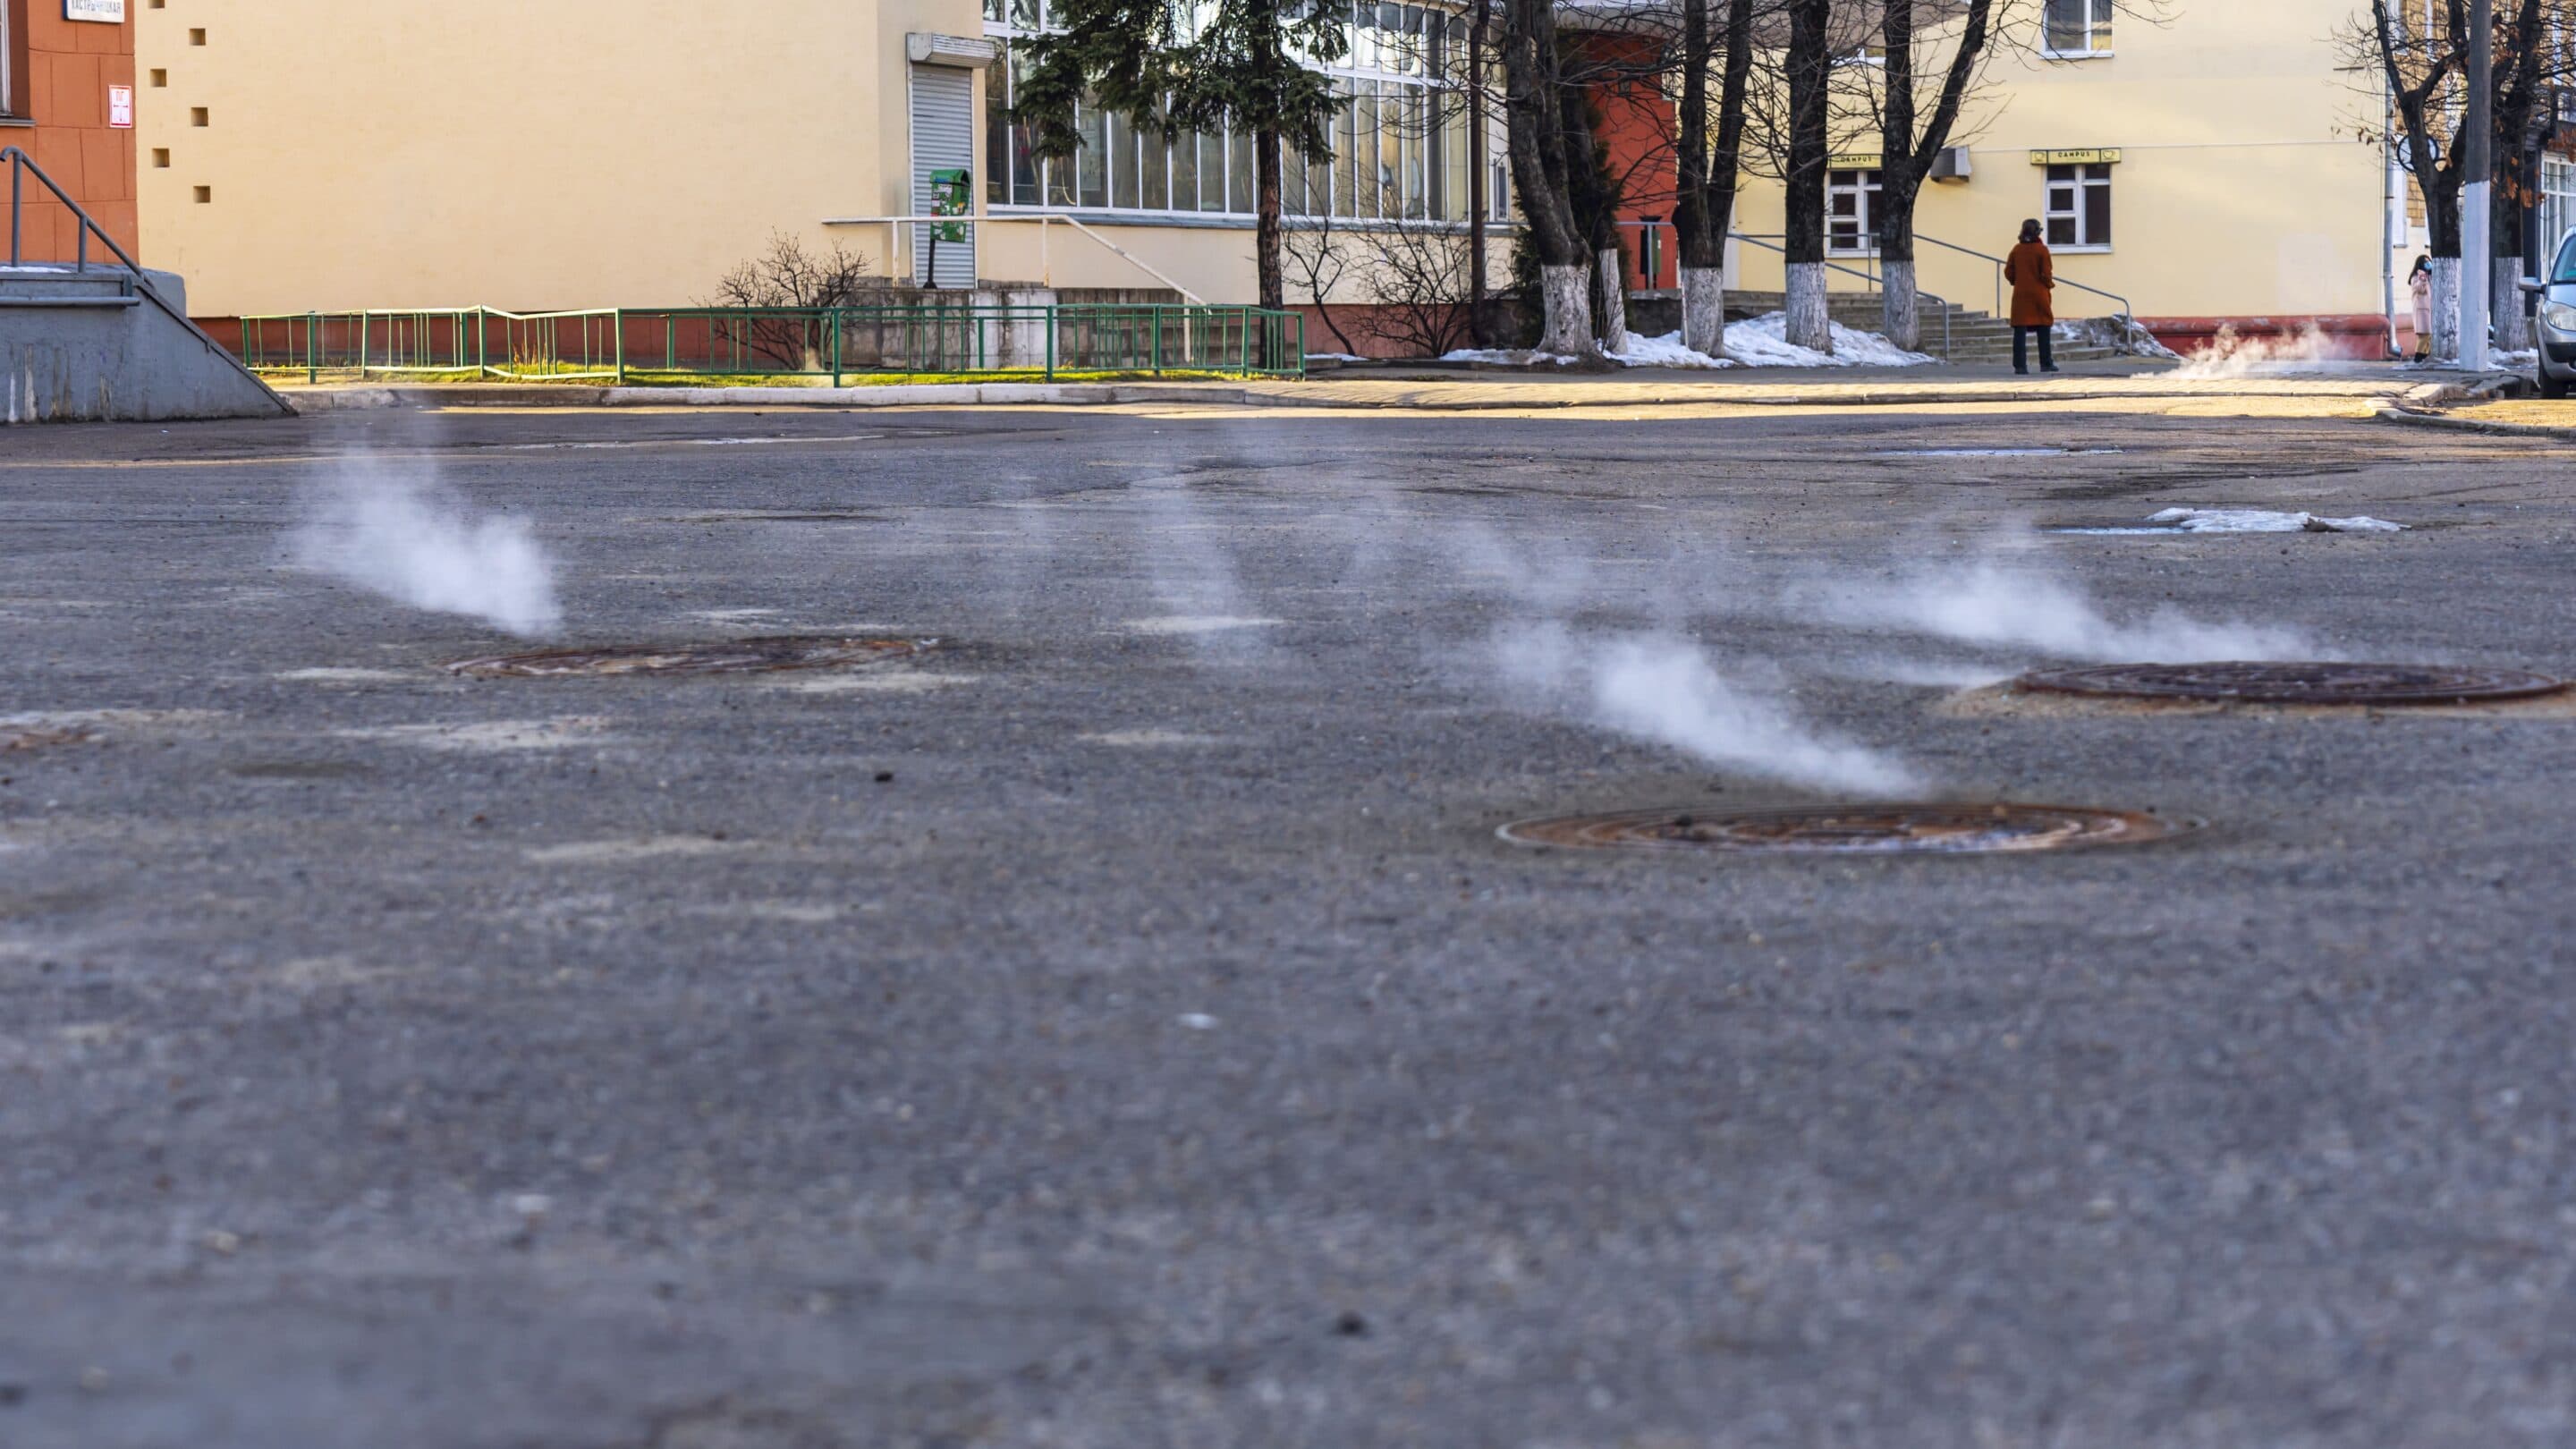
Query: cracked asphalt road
1122 1027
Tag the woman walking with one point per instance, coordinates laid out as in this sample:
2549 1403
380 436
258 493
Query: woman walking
2419 285
2033 276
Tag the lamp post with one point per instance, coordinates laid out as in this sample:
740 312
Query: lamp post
2477 247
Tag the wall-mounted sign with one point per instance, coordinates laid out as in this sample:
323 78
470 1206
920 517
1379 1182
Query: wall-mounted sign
2110 157
120 107
1853 161
103 12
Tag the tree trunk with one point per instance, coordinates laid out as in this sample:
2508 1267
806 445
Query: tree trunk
1810 66
1809 323
2446 308
1904 305
1535 116
2512 307
1614 301
1267 243
1901 305
1704 310
1568 328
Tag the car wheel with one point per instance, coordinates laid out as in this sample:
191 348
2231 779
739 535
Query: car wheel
2552 385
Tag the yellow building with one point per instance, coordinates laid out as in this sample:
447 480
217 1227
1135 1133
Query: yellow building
303 154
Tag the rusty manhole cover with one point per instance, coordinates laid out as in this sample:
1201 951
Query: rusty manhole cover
1967 829
13 739
2295 683
734 656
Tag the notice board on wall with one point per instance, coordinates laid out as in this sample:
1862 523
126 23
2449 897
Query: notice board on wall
103 12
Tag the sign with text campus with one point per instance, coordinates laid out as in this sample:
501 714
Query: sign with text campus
2110 157
104 12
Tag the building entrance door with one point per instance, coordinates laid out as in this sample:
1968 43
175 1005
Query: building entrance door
943 151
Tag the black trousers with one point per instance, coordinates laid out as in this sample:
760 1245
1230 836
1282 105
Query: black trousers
2021 348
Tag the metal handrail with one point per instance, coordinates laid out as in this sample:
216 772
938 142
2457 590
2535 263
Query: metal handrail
2126 313
20 163
1948 307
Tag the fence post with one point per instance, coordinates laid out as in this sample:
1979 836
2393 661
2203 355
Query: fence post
1154 321
1050 357
617 339
482 344
836 346
312 359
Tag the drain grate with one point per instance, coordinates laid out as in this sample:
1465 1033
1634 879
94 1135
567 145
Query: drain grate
736 656
1929 829
2295 683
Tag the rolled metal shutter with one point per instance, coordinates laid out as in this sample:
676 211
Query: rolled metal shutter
943 138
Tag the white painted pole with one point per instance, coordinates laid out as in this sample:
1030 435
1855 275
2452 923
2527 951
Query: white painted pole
2477 248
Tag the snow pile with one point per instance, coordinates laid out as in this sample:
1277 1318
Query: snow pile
1333 357
2120 334
1760 342
2261 520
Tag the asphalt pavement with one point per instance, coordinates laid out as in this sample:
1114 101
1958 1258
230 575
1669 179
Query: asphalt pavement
1120 1025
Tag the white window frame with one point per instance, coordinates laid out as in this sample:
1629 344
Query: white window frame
1867 187
2098 15
8 67
1378 66
2074 212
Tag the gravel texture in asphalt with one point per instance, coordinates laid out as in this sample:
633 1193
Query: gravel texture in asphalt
1122 1025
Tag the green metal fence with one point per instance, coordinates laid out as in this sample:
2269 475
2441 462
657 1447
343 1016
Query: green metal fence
836 345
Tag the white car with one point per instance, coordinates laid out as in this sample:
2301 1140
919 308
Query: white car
2557 339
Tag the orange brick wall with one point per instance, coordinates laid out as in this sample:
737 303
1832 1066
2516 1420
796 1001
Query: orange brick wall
65 68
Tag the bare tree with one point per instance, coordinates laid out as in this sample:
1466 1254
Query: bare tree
1319 258
1542 169
1416 278
1710 169
1809 62
788 289
2420 56
1907 151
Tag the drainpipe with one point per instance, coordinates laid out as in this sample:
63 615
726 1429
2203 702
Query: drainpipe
2388 204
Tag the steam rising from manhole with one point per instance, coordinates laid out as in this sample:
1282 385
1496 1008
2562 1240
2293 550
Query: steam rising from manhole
762 655
1921 829
2290 682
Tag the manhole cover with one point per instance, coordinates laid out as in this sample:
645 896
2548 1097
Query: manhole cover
2295 683
14 739
735 656
1851 830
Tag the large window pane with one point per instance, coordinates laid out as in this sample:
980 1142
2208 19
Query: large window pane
1091 168
1185 171
1123 187
997 133
1157 187
1243 176
1212 171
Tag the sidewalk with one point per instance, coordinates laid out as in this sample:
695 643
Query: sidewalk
1419 390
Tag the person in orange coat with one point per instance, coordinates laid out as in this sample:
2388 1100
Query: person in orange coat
2033 277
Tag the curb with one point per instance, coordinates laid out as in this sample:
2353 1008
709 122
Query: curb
1312 395
2391 413
515 395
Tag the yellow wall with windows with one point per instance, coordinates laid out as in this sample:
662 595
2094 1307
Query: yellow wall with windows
2244 186
421 153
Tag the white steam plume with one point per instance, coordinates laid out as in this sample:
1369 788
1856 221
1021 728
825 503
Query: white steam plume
2229 355
1982 604
406 539
1663 689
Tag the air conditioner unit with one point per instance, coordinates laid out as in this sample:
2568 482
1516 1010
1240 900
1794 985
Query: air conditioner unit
1952 164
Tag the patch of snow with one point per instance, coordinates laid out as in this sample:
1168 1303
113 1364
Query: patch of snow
1763 342
1333 357
2262 520
1504 356
1192 624
1665 351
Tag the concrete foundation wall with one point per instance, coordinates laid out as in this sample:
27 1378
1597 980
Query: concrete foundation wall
88 347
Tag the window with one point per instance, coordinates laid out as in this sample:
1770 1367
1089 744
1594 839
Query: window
2557 200
1851 212
8 64
2079 206
2078 27
1400 144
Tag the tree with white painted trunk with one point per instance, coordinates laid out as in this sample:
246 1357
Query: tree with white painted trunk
1907 150
1809 63
2417 59
1710 166
1534 114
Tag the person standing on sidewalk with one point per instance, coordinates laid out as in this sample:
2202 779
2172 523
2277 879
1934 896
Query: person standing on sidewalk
2033 276
2419 285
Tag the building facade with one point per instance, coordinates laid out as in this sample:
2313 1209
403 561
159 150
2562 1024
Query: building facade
2210 167
67 98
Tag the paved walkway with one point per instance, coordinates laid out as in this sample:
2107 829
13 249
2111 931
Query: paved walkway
1478 391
